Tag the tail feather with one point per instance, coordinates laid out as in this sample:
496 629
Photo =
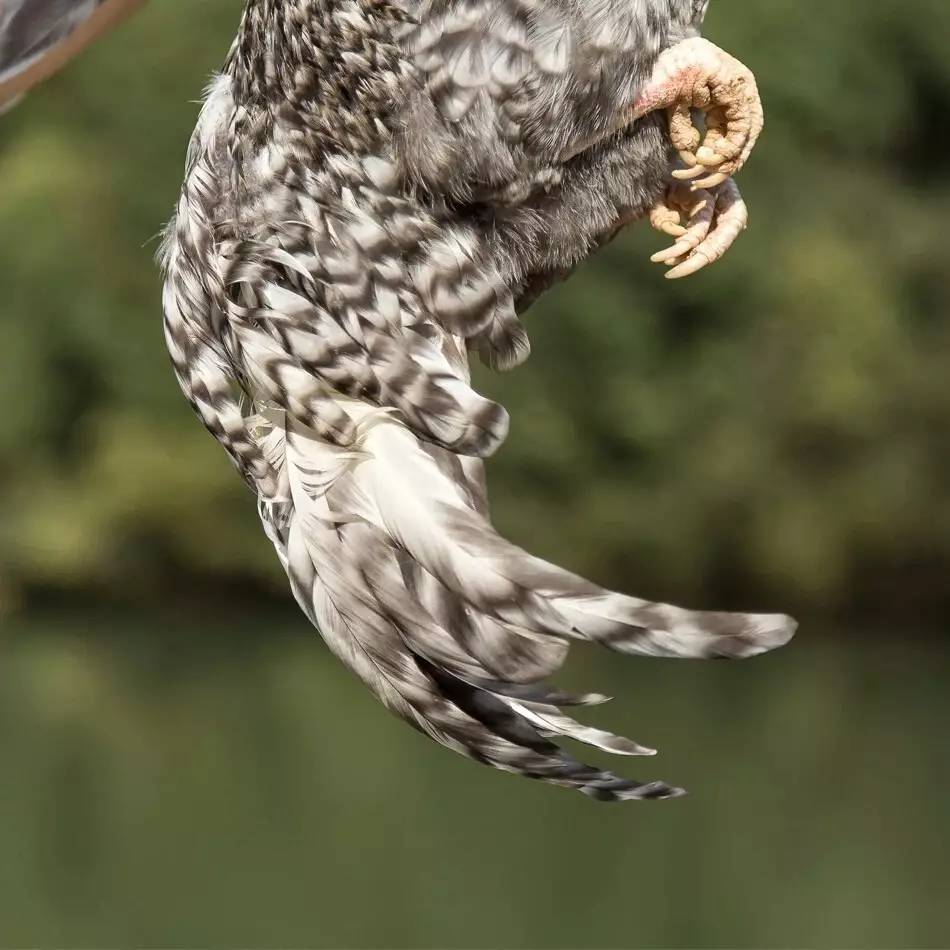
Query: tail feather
404 491
551 722
469 720
410 587
510 653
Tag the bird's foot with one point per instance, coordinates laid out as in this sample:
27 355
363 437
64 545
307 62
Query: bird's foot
695 74
705 223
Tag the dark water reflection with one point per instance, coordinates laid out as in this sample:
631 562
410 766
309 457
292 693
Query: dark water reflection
167 786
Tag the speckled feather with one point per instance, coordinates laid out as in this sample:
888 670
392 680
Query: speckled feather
375 189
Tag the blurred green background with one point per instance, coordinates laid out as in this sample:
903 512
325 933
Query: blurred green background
183 763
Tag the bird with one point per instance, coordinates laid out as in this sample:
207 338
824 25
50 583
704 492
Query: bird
38 37
374 194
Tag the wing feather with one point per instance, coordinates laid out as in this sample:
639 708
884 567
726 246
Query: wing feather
319 311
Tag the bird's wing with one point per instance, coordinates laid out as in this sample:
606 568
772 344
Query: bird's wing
340 317
38 36
29 28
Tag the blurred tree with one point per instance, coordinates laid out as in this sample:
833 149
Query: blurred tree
771 433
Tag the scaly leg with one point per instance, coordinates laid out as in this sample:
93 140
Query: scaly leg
695 74
703 208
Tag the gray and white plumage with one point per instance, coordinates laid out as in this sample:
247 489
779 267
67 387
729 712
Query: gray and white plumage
30 28
376 188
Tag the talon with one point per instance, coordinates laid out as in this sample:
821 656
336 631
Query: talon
687 174
662 257
696 262
671 254
667 219
697 74
702 204
705 184
716 219
696 209
711 159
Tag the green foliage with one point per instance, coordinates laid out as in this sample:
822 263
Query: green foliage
771 433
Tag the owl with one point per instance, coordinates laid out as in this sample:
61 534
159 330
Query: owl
375 193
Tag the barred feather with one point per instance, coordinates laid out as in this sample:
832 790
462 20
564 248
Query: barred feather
375 188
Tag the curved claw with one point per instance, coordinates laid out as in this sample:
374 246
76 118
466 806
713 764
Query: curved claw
711 181
709 158
697 209
666 217
690 266
727 220
705 223
688 174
